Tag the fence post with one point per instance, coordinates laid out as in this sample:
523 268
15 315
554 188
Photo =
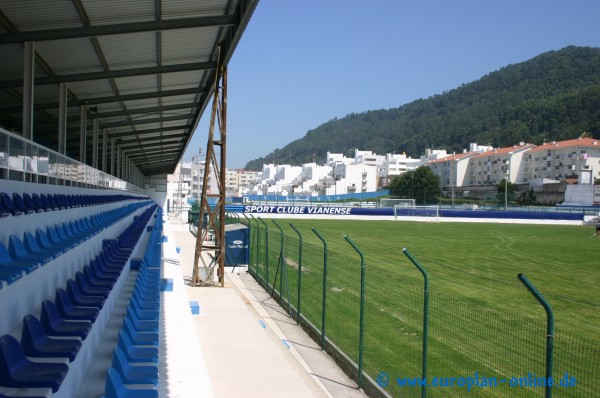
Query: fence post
250 244
266 253
299 269
361 330
257 247
323 312
425 319
549 329
283 265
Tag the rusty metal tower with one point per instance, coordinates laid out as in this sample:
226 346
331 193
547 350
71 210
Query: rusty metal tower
210 238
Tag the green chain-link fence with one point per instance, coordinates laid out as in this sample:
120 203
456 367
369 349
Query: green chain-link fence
466 336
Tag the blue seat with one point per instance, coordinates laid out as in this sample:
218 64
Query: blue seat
54 325
32 246
80 299
21 205
18 251
16 371
145 309
8 262
116 389
66 232
140 337
133 374
37 201
89 289
142 325
9 275
31 204
3 212
50 205
45 243
56 239
70 311
97 280
54 200
135 353
36 342
8 205
102 269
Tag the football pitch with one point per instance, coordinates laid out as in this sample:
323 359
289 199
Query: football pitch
482 319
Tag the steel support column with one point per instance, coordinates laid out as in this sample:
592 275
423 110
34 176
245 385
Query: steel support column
82 133
112 157
62 119
104 147
28 86
118 164
95 144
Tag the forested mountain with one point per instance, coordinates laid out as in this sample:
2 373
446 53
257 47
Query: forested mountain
553 96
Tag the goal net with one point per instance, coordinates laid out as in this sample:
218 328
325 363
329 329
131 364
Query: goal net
429 213
397 202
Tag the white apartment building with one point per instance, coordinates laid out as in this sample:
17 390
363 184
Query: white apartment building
312 174
451 170
577 159
246 180
559 160
494 165
393 165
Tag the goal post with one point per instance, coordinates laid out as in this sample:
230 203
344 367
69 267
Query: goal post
397 202
429 213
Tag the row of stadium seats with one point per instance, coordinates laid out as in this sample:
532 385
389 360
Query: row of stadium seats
135 357
63 326
34 203
26 255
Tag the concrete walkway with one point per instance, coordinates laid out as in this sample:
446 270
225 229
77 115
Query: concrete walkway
250 346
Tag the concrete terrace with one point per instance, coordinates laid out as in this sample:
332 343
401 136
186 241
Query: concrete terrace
249 346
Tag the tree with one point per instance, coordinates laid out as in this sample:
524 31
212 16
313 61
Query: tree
510 187
421 184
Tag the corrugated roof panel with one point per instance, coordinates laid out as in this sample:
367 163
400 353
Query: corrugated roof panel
108 12
91 89
177 80
143 103
179 99
172 9
135 84
46 93
188 45
59 56
41 14
13 69
132 50
176 122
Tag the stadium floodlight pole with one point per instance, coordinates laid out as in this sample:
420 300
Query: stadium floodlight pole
361 329
549 329
425 319
323 312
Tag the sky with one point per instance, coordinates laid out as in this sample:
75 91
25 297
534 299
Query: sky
301 63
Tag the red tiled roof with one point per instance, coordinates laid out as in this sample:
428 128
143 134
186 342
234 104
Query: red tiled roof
452 157
502 151
577 142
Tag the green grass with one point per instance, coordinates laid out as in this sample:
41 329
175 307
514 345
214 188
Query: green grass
481 318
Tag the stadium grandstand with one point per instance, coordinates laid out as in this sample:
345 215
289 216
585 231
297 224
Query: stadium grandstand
98 102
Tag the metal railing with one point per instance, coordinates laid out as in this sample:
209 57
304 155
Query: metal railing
21 157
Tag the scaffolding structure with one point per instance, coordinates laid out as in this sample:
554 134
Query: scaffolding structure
210 238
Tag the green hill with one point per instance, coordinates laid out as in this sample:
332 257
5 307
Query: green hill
553 96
